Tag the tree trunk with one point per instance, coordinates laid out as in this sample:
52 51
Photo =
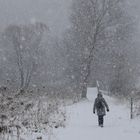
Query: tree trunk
84 91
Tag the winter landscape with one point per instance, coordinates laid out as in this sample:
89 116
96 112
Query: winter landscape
69 70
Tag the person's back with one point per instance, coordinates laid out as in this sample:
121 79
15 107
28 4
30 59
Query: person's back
100 105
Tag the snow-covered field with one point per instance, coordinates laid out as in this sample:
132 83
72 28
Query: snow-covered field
82 124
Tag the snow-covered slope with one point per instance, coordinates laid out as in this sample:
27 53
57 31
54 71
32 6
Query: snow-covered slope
82 124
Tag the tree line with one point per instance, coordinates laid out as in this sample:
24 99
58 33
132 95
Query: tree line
97 46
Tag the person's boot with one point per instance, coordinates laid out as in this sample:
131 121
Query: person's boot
101 125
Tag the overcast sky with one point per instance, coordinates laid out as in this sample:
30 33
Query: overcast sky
52 12
55 13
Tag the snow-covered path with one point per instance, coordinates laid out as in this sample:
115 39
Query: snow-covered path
82 124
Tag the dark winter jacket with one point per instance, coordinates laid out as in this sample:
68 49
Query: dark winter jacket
100 110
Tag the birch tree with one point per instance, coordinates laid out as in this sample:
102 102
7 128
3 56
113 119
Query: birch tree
94 25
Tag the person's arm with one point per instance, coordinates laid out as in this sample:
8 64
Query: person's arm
106 105
94 106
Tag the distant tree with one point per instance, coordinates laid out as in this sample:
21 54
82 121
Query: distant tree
26 44
122 80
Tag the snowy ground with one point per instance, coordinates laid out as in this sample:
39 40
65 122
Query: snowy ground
82 124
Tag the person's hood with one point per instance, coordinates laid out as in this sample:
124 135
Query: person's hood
99 95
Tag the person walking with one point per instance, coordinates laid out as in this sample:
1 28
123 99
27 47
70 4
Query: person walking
100 106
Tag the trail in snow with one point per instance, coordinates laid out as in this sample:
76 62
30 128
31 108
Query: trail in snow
82 124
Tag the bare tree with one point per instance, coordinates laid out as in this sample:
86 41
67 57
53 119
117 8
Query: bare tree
26 43
94 25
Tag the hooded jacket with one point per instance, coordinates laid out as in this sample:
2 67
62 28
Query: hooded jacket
100 111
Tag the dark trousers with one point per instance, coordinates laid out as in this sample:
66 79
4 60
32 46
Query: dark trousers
100 119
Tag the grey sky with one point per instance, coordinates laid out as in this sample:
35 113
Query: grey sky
55 13
52 12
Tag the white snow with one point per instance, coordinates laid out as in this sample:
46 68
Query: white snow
82 123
